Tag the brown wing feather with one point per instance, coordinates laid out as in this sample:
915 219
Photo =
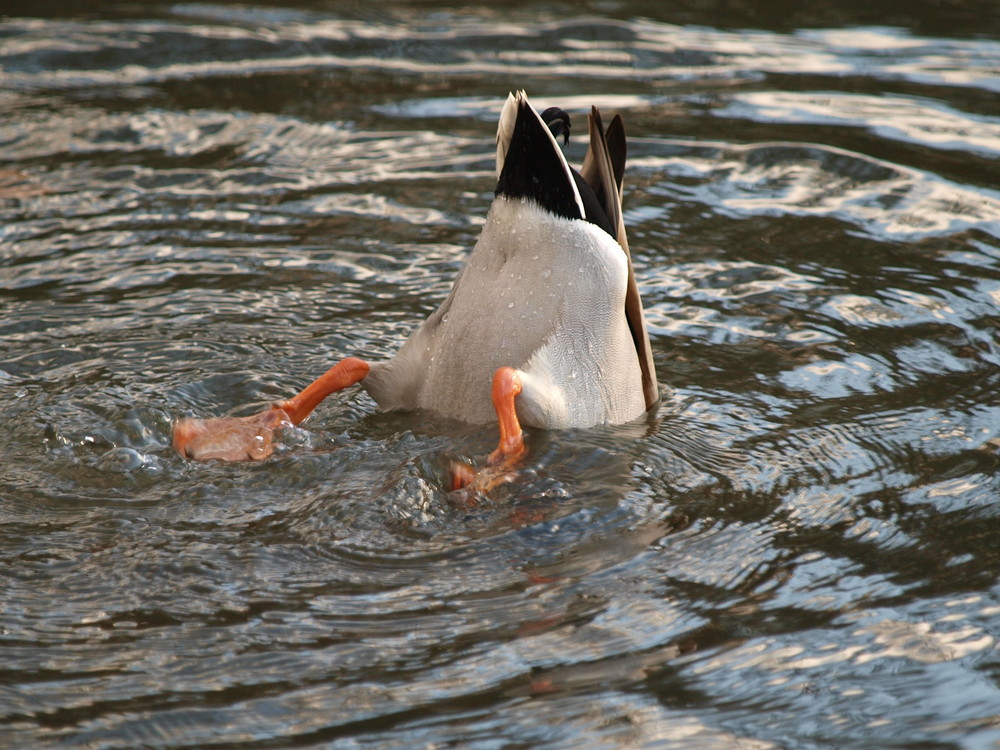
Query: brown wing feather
604 169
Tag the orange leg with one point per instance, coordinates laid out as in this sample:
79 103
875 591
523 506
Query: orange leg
345 373
251 438
501 462
506 388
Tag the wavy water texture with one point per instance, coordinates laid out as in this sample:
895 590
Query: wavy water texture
203 206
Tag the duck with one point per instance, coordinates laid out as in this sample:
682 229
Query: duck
543 326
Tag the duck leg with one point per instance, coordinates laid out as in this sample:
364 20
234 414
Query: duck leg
501 462
251 438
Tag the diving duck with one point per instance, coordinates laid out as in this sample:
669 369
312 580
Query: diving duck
543 326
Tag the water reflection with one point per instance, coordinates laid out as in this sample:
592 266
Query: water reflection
890 117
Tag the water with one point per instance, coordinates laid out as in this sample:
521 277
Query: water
206 205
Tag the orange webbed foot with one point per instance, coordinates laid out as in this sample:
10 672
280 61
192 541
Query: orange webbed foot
229 438
501 465
252 438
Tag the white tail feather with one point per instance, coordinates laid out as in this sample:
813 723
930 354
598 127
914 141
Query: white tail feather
505 129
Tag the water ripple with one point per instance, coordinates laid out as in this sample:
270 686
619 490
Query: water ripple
204 207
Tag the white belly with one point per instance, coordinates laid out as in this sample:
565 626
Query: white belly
539 293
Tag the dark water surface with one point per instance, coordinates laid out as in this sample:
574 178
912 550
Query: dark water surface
206 205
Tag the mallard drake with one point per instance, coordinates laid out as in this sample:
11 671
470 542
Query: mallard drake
543 326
